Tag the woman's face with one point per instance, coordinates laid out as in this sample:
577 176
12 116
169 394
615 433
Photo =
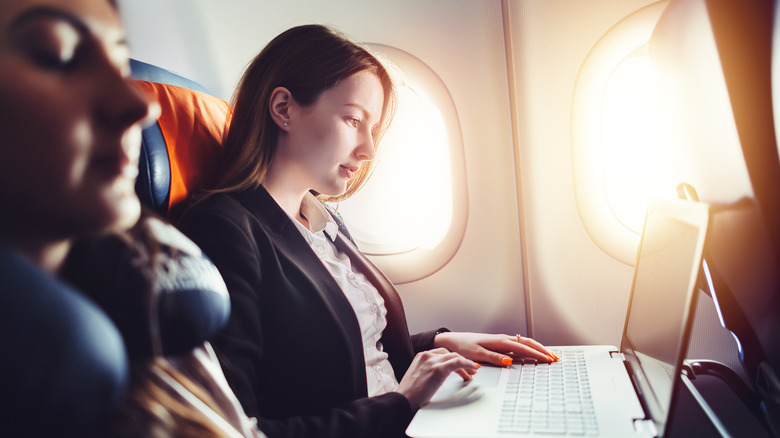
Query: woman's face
330 139
70 121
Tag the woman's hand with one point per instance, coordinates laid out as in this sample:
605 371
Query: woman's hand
495 349
428 371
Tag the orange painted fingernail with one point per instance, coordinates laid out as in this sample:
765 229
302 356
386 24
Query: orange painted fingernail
477 365
506 361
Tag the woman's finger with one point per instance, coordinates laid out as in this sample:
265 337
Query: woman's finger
427 372
536 345
503 350
465 375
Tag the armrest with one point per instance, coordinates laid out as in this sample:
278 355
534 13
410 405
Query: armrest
763 403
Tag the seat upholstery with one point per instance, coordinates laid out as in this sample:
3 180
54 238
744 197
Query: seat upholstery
178 150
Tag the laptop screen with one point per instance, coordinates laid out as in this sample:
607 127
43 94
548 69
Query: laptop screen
662 301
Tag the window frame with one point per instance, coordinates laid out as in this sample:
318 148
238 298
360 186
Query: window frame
418 263
605 229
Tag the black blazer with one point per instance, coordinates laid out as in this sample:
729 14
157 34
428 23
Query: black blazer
292 350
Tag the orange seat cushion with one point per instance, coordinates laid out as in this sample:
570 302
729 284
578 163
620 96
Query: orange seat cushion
193 125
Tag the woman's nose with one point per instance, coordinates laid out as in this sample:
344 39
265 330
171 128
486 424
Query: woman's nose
124 104
366 149
135 107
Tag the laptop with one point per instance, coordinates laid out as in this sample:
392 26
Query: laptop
598 391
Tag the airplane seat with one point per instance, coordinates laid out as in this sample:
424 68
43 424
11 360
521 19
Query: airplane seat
716 59
177 151
64 366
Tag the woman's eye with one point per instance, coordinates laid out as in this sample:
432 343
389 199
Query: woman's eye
353 122
51 46
50 60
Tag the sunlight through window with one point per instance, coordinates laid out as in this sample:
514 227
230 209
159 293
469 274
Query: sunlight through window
407 203
618 161
411 215
632 156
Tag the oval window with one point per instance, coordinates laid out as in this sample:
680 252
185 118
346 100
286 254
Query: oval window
615 157
410 216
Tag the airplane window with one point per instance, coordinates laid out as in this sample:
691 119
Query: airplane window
631 158
616 160
410 216
412 174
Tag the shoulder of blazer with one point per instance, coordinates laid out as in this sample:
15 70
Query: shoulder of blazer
244 207
259 204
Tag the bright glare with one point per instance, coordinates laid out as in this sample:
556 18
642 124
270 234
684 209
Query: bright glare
408 201
632 155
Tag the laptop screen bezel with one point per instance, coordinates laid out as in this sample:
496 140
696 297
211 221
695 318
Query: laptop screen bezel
696 215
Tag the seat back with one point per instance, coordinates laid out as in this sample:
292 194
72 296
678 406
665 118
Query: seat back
717 56
179 150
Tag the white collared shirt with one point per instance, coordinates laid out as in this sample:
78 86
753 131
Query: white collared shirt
362 295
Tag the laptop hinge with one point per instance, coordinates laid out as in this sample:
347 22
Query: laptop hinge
617 355
645 427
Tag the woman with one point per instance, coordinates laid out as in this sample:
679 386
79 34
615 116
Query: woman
70 123
317 344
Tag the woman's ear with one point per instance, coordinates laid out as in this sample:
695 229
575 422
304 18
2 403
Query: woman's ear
279 107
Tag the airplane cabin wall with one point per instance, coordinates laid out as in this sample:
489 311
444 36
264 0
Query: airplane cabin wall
578 294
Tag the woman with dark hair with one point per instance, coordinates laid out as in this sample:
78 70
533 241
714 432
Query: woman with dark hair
317 343
104 311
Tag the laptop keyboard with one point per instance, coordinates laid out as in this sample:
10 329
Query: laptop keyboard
551 399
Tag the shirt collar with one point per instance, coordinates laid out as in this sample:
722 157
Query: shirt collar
318 217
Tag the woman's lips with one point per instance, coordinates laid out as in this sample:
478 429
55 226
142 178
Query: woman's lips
116 165
349 171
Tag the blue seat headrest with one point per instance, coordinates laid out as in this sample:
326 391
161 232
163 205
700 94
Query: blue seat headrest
152 73
64 359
